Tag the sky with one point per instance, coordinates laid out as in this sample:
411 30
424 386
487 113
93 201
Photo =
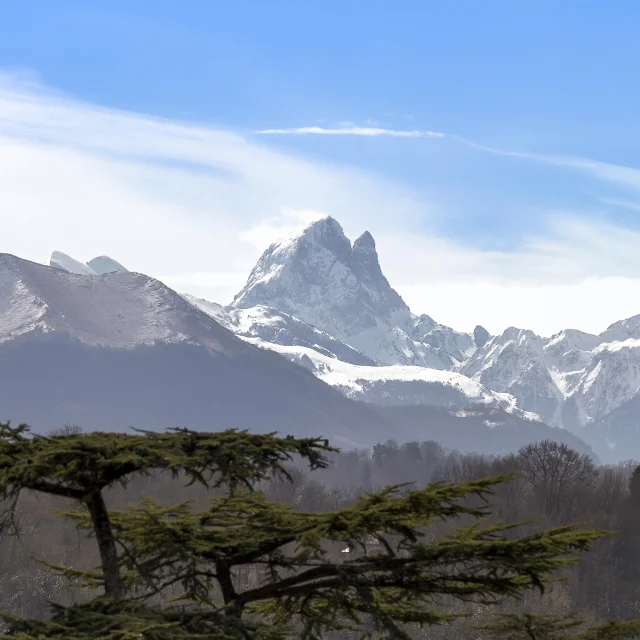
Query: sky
492 148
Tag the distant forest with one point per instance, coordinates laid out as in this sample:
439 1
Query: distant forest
552 485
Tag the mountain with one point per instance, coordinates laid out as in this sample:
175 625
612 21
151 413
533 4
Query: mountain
270 326
351 372
622 330
97 266
119 310
514 363
319 277
587 383
119 349
399 385
610 379
123 349
66 263
105 264
324 304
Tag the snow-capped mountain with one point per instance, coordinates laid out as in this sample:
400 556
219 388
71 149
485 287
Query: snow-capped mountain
610 379
355 375
272 327
319 277
399 385
114 310
105 264
108 351
572 379
514 363
118 349
97 266
323 302
66 263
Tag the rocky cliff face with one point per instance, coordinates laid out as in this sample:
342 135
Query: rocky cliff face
318 276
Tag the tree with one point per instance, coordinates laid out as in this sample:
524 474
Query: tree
81 466
555 474
306 589
527 626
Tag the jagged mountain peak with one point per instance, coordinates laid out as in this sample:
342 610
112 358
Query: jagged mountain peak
365 242
325 232
318 276
325 227
480 336
364 259
519 335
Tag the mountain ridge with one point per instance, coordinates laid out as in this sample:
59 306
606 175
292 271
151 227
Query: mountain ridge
118 349
316 292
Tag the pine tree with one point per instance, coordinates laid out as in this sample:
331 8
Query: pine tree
149 550
528 626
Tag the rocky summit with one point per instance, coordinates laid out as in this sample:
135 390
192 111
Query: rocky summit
318 276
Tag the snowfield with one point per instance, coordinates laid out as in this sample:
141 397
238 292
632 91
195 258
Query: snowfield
396 384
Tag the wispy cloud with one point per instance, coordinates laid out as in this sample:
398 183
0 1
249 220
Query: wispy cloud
354 131
165 197
618 174
196 205
621 175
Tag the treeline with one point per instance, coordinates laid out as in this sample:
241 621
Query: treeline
551 485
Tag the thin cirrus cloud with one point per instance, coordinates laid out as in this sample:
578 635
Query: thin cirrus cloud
620 175
617 174
195 205
353 131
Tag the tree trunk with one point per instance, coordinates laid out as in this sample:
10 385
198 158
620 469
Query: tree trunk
106 544
231 599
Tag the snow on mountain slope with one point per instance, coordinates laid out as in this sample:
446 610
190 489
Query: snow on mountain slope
572 379
622 330
115 310
279 328
351 372
318 276
66 263
611 378
569 350
514 362
136 352
105 264
398 385
97 266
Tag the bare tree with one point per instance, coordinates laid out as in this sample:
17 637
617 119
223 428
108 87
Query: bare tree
555 475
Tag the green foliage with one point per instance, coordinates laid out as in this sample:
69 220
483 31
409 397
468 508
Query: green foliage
75 464
527 626
173 572
129 620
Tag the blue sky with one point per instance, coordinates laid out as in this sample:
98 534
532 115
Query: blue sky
530 195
